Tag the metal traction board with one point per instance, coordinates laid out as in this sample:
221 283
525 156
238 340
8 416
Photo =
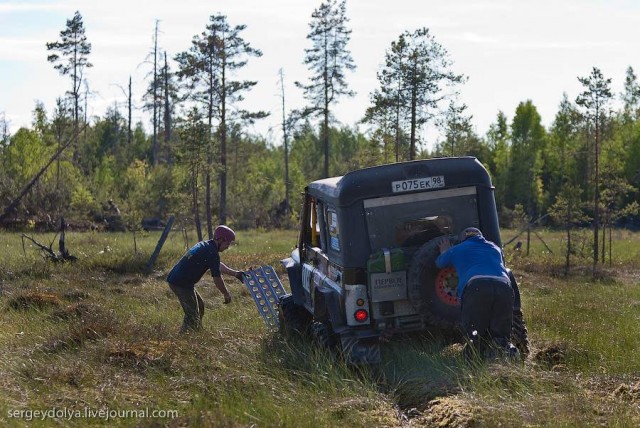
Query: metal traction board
266 289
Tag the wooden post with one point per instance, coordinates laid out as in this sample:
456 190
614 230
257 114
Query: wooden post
163 238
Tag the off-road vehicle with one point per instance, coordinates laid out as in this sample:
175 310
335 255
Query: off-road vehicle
364 264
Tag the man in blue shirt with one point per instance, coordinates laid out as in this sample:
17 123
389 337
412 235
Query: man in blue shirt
484 289
203 256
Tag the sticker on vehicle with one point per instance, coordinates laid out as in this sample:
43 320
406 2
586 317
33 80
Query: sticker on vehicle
388 286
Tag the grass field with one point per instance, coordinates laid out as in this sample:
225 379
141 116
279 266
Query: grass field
95 343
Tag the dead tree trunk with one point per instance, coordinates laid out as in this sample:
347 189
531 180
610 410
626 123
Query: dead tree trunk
48 252
13 205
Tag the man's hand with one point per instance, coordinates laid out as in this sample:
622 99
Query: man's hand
227 298
444 244
240 276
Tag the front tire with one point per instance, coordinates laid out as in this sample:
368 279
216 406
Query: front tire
323 335
294 319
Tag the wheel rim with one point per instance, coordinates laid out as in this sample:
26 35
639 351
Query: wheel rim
446 284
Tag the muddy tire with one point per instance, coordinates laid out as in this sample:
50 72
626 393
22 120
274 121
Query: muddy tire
323 335
432 291
519 334
294 319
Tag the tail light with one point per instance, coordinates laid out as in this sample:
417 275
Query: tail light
361 315
356 304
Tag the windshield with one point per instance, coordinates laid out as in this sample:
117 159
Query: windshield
411 220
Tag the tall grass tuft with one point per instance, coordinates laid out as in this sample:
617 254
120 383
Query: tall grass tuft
102 333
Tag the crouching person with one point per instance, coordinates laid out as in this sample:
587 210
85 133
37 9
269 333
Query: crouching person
484 291
203 256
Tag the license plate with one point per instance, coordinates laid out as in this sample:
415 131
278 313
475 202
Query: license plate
424 183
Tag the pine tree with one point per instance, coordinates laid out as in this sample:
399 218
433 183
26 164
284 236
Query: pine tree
631 96
528 142
629 130
286 125
498 141
386 124
413 80
594 102
567 212
460 138
169 99
71 58
4 130
208 69
152 97
387 109
328 59
562 157
194 134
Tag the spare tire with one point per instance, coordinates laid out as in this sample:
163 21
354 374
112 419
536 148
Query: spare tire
432 291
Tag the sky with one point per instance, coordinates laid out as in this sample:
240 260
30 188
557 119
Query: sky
511 51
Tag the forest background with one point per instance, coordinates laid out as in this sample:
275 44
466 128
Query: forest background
195 158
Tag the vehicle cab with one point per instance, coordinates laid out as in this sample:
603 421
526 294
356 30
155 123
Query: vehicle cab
364 262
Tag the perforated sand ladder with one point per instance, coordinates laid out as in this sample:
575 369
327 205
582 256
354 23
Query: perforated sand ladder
266 289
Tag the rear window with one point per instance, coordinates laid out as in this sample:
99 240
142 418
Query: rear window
413 219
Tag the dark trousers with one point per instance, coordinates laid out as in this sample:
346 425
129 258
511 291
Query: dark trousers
192 305
487 308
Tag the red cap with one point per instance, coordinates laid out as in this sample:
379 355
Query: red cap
225 233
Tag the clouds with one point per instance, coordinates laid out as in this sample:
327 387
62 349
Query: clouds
510 50
8 7
16 49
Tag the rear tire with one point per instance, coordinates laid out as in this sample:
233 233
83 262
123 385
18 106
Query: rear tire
519 334
294 319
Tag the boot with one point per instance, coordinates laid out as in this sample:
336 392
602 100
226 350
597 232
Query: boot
512 353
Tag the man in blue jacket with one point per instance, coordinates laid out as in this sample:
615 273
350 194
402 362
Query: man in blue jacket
203 256
484 290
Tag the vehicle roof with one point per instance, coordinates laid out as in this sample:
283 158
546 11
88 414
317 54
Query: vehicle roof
376 181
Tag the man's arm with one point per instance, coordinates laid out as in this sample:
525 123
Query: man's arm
443 259
444 245
220 285
228 271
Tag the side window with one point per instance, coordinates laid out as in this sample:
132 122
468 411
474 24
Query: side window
321 225
314 226
334 229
